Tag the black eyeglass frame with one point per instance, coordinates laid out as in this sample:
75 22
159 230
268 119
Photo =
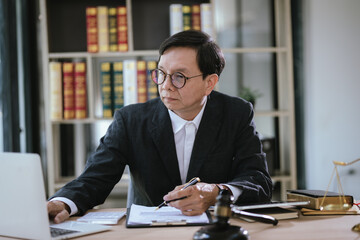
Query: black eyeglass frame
153 72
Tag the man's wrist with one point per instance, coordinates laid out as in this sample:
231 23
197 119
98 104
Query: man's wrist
68 203
222 187
67 208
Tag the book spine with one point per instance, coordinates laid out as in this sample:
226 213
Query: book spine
118 99
91 29
80 90
56 104
68 90
152 89
186 10
195 17
113 41
176 18
106 88
123 45
103 28
130 82
206 18
141 81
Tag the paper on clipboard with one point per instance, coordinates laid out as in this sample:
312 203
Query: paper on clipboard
142 215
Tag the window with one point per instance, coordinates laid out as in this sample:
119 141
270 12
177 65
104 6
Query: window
18 86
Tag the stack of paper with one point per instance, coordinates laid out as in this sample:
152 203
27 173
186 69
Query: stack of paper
102 217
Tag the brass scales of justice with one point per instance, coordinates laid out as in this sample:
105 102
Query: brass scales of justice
342 205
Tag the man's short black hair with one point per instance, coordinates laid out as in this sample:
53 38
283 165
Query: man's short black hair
209 55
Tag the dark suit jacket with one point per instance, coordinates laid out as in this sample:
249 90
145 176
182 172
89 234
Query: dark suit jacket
227 149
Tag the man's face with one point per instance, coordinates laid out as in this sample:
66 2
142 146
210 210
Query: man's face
186 102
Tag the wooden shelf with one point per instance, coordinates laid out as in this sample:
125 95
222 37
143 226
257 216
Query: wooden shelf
256 50
143 53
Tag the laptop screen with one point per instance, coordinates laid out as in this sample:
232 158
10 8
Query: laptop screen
23 200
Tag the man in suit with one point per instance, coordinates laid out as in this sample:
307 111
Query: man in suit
189 131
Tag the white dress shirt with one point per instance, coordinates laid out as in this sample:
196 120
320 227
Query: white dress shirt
184 134
182 142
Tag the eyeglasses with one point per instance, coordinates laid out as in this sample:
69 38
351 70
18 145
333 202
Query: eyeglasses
177 79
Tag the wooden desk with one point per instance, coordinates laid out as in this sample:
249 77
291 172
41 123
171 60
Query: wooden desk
305 227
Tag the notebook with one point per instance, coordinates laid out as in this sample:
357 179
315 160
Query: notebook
277 212
23 202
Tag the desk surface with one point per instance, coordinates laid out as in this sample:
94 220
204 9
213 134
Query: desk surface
304 227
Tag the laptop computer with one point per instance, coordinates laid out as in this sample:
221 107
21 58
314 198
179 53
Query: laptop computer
23 208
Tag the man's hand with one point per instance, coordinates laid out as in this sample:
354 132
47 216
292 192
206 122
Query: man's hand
198 198
58 211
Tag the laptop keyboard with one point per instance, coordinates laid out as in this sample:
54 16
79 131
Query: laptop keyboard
59 232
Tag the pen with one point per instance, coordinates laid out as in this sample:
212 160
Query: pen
193 181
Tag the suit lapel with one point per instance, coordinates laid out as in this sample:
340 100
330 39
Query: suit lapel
163 136
206 136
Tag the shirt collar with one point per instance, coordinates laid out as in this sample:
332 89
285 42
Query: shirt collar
178 123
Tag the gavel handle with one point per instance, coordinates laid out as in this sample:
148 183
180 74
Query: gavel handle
254 216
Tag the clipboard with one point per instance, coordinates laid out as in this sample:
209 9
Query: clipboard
172 223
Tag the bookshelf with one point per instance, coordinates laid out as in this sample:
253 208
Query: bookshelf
259 56
63 37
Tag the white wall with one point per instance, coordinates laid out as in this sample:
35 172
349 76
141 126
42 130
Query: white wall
332 91
1 130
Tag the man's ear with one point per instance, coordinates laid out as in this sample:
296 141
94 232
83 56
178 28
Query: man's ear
211 81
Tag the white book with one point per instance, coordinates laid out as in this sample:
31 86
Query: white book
103 28
206 18
176 18
130 81
56 101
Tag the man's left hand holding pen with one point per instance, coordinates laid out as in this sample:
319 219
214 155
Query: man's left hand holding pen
195 199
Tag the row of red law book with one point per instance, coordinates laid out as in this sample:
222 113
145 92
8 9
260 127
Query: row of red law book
68 95
106 29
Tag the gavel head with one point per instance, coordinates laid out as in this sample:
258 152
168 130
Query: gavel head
222 211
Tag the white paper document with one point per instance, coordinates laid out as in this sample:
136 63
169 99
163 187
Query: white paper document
147 215
102 217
